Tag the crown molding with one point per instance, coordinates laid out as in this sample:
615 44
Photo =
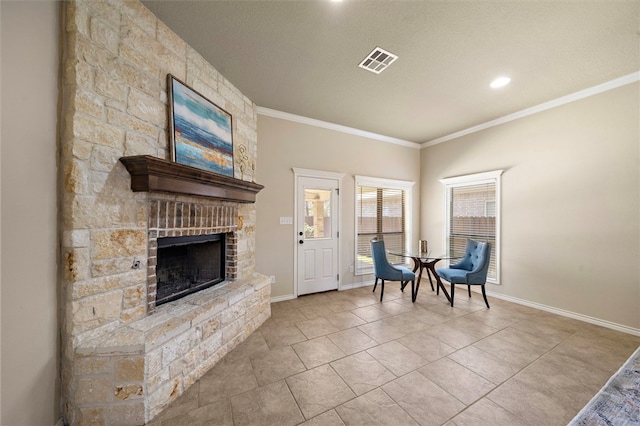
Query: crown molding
610 85
331 126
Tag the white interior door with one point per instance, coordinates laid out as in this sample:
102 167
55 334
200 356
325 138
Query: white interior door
317 234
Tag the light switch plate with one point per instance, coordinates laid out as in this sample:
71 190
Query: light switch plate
286 221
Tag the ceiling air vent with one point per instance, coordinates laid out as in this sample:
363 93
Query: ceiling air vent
378 60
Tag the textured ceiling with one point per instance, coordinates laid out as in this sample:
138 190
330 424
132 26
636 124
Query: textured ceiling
301 57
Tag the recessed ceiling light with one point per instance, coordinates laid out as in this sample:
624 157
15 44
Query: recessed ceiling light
500 82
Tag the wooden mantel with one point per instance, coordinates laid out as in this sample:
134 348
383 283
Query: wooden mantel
152 174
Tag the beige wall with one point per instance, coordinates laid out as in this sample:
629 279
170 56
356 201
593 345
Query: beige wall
570 203
283 145
29 231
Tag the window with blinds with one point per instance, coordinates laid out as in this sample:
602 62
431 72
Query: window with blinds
381 212
472 213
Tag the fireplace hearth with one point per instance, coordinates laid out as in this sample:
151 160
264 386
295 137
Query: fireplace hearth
188 264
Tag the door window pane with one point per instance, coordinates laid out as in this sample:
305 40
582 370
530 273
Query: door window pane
317 213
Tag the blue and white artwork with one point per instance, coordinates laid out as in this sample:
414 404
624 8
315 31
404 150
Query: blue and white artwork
202 132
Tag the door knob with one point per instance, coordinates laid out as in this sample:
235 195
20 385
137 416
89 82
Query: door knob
301 241
300 233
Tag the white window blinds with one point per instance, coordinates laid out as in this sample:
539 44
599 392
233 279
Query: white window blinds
473 213
381 212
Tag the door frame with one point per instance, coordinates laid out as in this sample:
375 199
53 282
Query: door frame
297 173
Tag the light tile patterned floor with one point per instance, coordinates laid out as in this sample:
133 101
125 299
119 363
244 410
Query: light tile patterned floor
341 358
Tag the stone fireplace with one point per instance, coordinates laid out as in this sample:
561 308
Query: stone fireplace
126 353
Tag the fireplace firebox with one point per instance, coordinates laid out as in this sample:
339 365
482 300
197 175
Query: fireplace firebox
188 264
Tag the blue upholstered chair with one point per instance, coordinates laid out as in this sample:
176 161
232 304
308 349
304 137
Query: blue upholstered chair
386 271
471 270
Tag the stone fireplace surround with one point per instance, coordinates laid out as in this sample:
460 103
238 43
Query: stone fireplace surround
123 359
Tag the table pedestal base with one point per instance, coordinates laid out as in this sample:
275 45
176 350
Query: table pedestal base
419 265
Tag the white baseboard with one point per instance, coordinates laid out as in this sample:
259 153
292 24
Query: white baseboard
342 288
355 285
569 314
283 298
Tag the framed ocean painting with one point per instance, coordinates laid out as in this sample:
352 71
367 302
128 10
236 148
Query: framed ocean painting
200 132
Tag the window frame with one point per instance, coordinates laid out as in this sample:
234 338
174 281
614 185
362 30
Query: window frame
493 177
406 186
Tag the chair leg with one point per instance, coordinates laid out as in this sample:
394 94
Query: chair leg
453 289
469 288
484 294
375 285
381 290
414 292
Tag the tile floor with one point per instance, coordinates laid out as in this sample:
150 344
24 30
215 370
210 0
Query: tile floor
345 358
